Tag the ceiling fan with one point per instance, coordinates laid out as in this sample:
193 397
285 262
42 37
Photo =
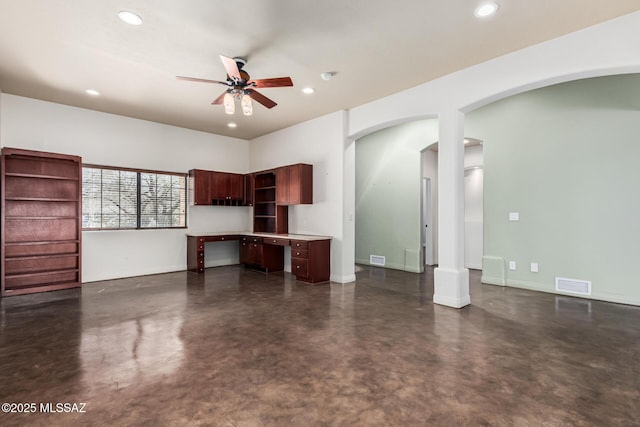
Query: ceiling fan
240 86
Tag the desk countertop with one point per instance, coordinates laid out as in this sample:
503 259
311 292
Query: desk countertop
249 233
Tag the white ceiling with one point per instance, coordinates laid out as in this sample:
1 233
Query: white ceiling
55 49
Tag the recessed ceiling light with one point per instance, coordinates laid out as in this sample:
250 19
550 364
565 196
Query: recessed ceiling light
308 90
130 17
92 92
486 9
232 125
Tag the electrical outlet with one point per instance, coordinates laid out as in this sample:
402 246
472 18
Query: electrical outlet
514 216
534 267
512 265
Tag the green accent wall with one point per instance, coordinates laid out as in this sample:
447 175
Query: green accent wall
388 194
567 158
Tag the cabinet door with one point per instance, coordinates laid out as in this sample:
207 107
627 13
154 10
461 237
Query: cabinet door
249 185
200 181
245 256
219 185
300 184
282 185
236 186
255 254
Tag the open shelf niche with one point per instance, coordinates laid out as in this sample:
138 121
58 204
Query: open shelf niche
268 217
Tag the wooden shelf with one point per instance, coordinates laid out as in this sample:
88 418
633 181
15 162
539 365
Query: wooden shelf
39 217
43 272
39 199
41 242
271 187
44 256
31 175
41 221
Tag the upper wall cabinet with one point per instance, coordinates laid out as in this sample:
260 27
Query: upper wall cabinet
294 184
199 187
215 188
227 187
249 185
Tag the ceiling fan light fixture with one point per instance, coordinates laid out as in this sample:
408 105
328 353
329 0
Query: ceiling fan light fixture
229 104
328 75
129 17
247 106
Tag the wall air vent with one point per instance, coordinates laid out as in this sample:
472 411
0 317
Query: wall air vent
377 260
574 286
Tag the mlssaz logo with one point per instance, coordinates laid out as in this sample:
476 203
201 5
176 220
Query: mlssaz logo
63 407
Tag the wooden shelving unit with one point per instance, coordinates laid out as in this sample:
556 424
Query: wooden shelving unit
268 217
40 221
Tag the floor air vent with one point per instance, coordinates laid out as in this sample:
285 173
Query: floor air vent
574 286
377 260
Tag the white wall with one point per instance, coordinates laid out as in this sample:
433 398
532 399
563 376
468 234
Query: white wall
107 139
565 158
388 194
473 202
607 48
319 142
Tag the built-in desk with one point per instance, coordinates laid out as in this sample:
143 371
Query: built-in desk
310 255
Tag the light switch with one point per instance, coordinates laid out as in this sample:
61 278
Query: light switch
534 267
512 265
514 216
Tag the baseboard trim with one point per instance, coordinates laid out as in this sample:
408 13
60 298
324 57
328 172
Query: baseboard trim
489 280
343 279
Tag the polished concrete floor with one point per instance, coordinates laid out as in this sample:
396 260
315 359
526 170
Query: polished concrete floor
234 347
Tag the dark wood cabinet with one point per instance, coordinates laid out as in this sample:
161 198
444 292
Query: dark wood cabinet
40 221
282 185
256 254
227 187
249 185
294 184
200 187
310 260
216 188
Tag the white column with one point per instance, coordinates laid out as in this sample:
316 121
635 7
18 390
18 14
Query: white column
451 279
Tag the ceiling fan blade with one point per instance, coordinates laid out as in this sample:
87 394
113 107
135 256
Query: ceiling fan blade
274 82
231 67
194 79
258 97
220 99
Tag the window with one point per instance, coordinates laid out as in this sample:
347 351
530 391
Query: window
132 199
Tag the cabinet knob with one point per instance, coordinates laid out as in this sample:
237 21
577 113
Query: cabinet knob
223 238
297 266
274 241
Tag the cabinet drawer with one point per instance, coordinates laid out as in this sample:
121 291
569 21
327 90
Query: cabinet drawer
299 253
299 267
299 244
276 241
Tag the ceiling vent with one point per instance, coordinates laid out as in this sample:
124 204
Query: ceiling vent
377 260
574 286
